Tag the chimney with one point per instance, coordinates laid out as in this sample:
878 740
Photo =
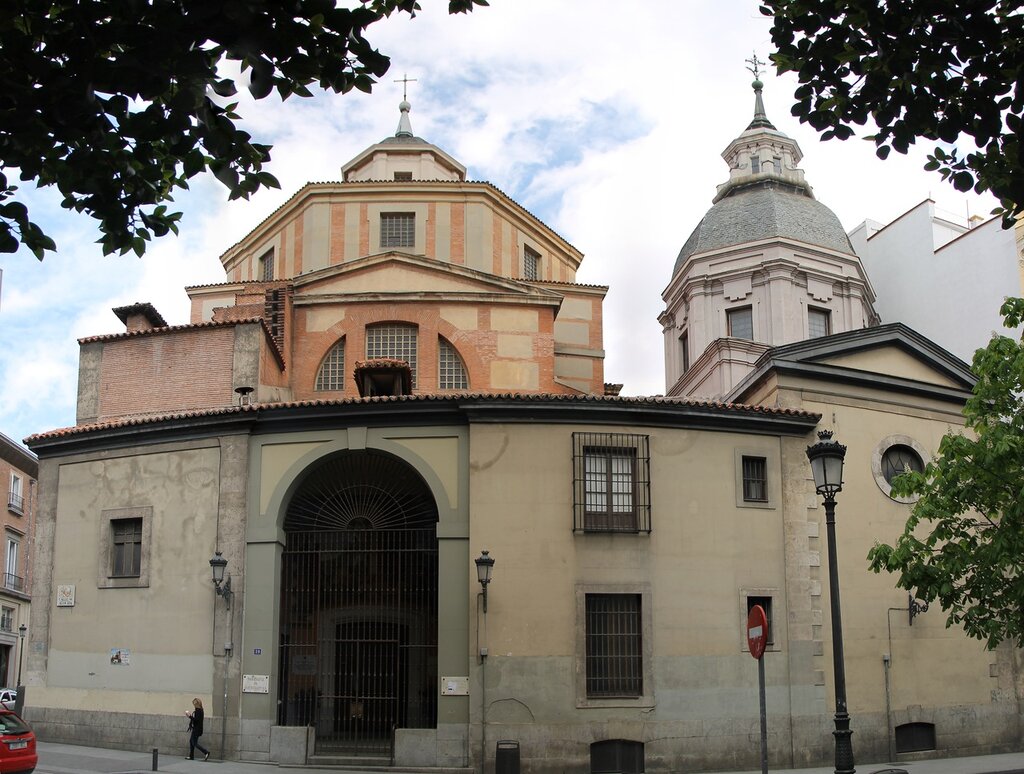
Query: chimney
139 317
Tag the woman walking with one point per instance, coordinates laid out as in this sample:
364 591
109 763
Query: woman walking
195 725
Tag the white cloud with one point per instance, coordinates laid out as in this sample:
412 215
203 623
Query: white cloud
604 120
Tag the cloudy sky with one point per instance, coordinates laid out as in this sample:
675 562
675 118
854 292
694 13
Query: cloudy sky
605 119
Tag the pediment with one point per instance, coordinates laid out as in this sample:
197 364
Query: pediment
892 357
402 274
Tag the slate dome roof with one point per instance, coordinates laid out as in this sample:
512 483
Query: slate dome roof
765 211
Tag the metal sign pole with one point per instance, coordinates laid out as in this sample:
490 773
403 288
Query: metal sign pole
764 716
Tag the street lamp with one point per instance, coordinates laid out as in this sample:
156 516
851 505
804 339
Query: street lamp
826 459
484 567
21 655
223 586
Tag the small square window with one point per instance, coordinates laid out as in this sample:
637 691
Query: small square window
403 176
741 323
755 479
819 323
531 264
398 229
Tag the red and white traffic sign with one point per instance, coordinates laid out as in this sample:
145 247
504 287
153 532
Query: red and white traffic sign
757 631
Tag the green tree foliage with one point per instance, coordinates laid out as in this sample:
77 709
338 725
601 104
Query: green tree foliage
118 103
964 542
942 70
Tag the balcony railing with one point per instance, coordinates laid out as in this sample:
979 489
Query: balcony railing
14 582
15 502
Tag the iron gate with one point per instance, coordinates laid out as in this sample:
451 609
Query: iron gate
358 643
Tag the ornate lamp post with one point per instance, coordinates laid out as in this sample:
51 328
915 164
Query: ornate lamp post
484 567
826 459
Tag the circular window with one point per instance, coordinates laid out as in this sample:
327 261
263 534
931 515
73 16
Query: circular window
898 459
893 456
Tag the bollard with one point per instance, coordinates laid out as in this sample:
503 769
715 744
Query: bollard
156 757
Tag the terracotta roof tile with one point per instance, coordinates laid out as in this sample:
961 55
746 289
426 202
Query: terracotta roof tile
447 397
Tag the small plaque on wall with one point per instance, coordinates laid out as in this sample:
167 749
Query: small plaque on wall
255 683
66 595
455 686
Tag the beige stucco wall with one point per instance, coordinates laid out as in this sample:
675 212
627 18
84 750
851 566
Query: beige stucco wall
171 659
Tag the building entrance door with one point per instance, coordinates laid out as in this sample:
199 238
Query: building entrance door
358 637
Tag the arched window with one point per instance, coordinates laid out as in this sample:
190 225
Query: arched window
451 371
394 341
331 375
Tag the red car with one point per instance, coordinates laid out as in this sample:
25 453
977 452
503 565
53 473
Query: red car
17 745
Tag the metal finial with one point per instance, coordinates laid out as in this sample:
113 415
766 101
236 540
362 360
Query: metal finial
405 80
755 65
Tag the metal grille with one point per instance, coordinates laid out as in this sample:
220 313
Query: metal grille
531 264
617 756
755 480
818 323
741 323
358 640
451 371
398 229
394 341
332 370
611 486
614 645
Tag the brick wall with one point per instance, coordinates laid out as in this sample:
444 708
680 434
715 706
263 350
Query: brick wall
167 372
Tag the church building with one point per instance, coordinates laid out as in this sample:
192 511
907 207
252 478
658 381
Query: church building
376 504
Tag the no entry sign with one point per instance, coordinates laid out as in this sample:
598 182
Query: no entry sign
757 631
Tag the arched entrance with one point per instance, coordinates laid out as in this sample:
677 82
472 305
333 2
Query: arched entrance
358 636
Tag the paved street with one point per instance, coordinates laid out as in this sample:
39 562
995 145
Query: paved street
72 759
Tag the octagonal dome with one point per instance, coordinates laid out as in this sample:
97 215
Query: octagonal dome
766 210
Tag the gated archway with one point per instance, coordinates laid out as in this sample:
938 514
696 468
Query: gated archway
358 638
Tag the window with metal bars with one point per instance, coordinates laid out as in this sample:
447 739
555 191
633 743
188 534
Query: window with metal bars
267 265
611 482
331 375
398 229
740 323
819 323
755 479
531 264
451 371
394 341
614 647
127 548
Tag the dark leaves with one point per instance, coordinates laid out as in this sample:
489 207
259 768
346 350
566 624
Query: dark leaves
937 70
119 118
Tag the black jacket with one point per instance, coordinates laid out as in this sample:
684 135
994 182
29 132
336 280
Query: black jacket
196 723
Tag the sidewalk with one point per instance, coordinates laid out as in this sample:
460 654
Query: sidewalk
75 759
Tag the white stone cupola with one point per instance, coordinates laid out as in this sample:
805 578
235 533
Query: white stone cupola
403 157
767 265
